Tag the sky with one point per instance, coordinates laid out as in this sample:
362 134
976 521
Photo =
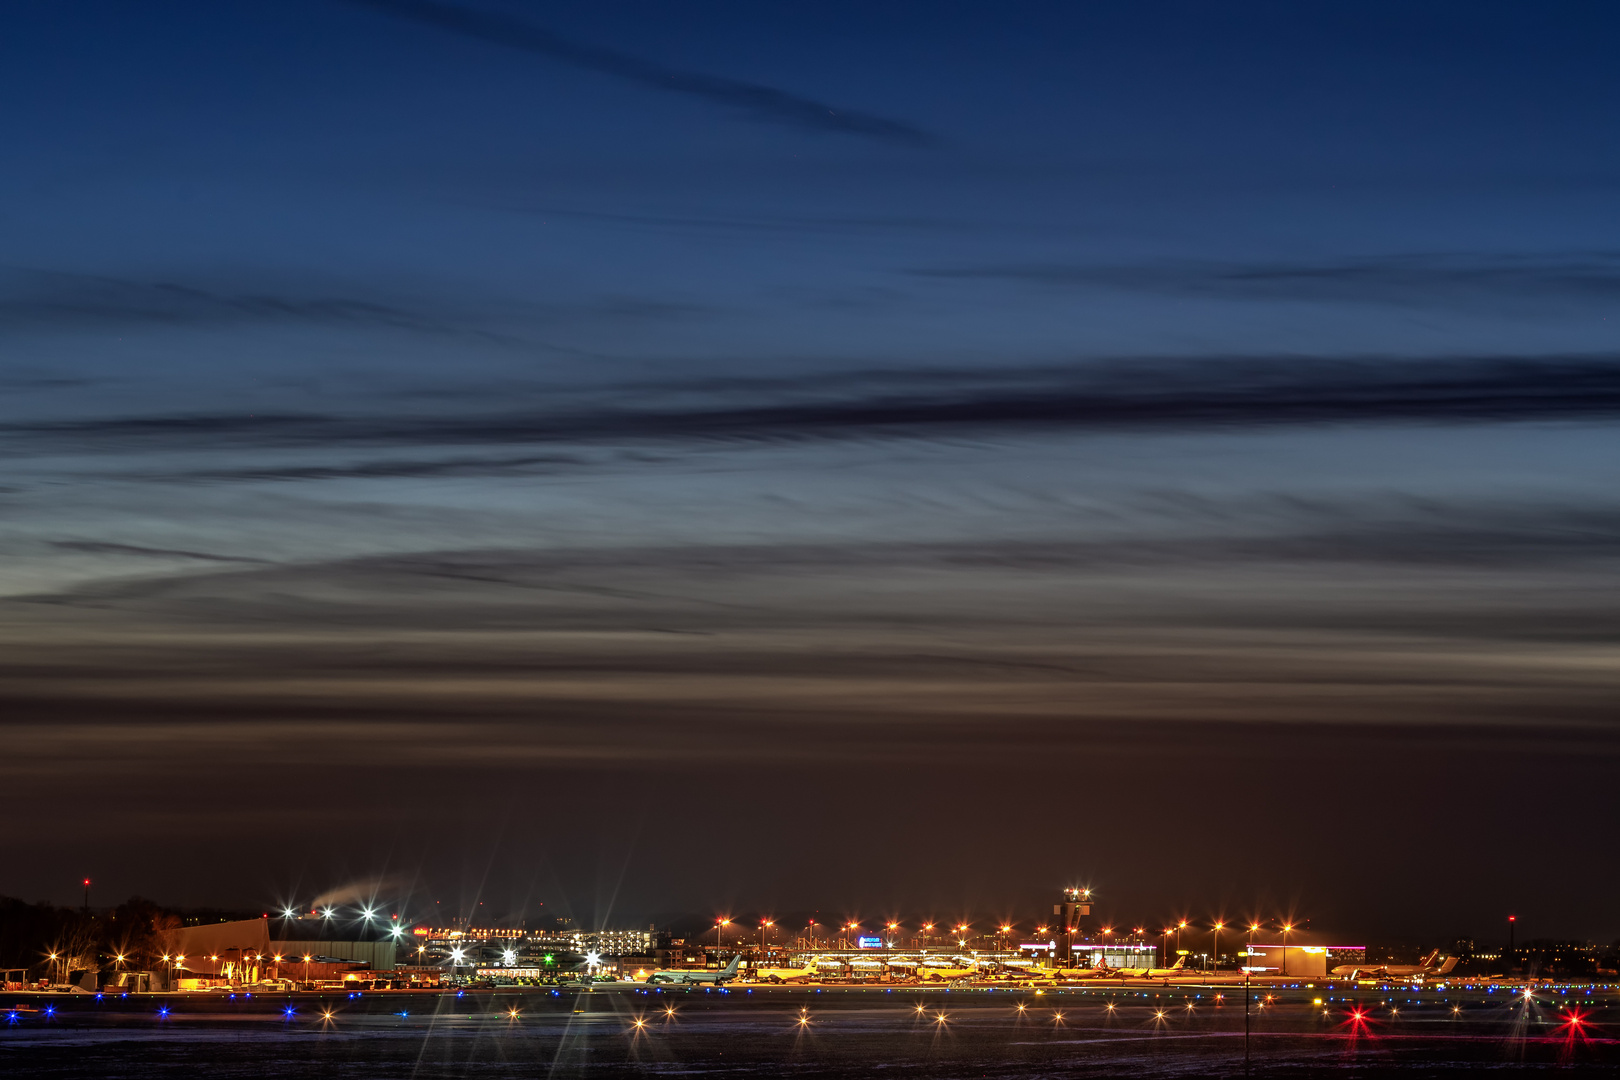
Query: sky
633 459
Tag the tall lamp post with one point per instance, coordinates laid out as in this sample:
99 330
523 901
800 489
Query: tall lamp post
1248 973
1215 950
764 925
1287 929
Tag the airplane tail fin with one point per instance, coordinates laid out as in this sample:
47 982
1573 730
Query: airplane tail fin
1428 961
1445 968
732 968
1181 962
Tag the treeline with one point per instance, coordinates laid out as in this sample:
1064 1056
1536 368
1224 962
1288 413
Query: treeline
91 941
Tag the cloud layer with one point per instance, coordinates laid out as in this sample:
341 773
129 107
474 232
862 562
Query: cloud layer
1138 396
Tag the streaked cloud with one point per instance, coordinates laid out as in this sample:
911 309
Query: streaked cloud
753 100
1145 396
1404 280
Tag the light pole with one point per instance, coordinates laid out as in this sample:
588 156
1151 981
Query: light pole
1287 927
1215 950
764 924
1179 928
1248 973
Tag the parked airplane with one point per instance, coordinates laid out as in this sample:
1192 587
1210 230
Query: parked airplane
697 976
785 974
1171 972
1397 971
1101 971
946 974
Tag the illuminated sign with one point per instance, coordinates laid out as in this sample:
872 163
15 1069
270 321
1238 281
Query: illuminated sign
869 942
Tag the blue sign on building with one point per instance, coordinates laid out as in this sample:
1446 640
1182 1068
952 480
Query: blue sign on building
870 942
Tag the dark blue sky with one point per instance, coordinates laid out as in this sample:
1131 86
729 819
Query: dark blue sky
1182 407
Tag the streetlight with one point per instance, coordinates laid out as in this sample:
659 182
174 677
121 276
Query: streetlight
1248 973
1215 949
307 959
764 924
1287 928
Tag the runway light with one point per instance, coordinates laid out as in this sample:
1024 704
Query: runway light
640 1023
1022 1006
326 1014
669 1010
512 1014
922 1009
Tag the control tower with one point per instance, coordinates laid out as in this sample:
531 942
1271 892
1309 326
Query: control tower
1073 919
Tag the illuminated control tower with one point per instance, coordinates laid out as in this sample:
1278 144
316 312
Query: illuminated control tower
1072 915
